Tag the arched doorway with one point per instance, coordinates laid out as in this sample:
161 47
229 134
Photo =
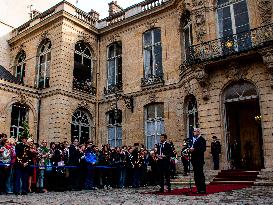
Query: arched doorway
243 126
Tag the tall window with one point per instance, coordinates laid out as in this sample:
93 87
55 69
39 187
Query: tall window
20 66
44 65
154 124
82 67
192 116
152 53
114 128
19 114
80 126
114 64
233 19
187 30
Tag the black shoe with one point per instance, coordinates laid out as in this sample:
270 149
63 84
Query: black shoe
24 193
201 192
169 189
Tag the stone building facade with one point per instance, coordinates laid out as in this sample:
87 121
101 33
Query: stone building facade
157 66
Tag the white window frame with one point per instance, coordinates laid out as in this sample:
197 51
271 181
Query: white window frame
81 124
115 58
157 121
18 127
47 63
116 126
83 55
230 4
152 71
190 37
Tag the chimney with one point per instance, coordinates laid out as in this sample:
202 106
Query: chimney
94 14
114 8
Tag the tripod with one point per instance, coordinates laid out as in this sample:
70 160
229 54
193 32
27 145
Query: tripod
189 170
187 155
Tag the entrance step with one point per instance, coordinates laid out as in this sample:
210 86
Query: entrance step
265 178
235 177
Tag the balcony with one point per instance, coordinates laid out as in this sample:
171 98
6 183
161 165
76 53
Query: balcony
85 87
151 80
223 47
142 7
112 89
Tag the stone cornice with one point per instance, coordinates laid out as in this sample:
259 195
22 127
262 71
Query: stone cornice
137 25
156 89
52 19
74 94
37 93
17 88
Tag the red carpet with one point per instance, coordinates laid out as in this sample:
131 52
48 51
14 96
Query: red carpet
211 189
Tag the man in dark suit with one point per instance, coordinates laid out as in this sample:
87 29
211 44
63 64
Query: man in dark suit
197 159
215 152
74 160
164 153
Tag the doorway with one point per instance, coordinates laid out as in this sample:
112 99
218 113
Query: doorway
243 125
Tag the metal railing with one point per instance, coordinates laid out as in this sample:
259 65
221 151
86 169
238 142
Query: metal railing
229 45
152 80
141 7
111 89
85 87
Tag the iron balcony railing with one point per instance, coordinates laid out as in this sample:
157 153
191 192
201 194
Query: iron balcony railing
152 80
111 89
85 87
226 46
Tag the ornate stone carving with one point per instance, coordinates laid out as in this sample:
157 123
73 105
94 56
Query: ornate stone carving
265 11
151 23
152 97
44 35
236 71
129 102
22 47
83 104
113 38
200 28
23 98
182 7
84 37
202 77
267 56
197 3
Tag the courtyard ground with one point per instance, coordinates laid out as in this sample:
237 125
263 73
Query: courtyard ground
254 195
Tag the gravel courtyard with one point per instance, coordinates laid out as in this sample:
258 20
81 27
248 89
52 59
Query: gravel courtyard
253 195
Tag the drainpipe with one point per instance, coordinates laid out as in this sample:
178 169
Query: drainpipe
97 95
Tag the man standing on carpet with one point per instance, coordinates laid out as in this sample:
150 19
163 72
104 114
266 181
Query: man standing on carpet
197 159
164 153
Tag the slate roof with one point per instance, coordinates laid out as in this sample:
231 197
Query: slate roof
6 75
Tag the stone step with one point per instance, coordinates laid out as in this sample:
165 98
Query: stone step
234 178
233 182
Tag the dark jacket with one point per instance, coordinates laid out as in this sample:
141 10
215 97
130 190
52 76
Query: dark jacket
197 156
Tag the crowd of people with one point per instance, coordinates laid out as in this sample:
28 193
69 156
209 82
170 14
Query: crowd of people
26 166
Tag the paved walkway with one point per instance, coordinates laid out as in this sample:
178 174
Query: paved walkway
259 195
